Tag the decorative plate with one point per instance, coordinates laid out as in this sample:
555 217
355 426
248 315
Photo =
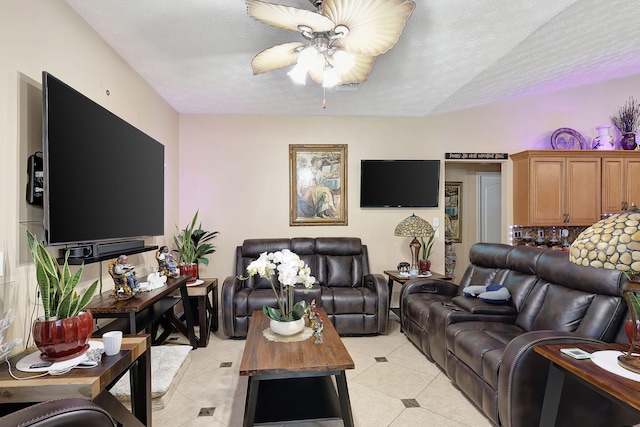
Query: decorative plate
567 139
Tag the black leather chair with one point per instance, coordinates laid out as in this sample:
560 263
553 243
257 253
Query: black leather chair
70 412
356 301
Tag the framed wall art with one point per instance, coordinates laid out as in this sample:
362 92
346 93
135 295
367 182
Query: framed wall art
453 211
318 184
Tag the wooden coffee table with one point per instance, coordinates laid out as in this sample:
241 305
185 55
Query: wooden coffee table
291 381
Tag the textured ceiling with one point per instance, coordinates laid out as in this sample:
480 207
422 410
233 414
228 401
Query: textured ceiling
453 54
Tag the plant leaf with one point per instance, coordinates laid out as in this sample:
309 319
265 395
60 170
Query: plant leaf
299 309
85 298
271 313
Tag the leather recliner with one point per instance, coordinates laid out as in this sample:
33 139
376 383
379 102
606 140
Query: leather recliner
488 349
70 412
356 301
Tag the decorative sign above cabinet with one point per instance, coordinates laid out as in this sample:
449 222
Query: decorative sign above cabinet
476 156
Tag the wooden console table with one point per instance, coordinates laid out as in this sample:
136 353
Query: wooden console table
146 308
92 383
616 388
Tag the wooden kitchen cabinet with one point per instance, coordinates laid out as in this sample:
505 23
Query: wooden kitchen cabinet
553 187
620 181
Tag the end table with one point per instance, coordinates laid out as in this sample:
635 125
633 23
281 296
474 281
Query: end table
207 308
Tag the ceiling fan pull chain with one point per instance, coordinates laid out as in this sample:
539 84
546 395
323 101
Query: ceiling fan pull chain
324 97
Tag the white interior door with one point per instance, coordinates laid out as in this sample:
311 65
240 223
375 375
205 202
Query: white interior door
489 207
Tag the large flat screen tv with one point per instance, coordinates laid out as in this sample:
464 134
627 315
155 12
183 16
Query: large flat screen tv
103 178
399 183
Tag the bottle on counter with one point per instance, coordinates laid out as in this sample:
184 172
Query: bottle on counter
554 243
565 242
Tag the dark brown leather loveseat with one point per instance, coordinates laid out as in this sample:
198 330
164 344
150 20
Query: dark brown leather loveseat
356 301
487 349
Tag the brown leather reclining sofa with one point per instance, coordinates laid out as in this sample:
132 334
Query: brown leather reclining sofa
356 301
486 349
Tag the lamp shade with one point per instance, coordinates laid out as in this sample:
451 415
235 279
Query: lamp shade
413 226
612 243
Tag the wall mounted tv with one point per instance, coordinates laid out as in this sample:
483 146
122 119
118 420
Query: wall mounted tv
399 183
103 178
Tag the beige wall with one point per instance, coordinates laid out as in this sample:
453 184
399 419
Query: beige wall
235 168
38 36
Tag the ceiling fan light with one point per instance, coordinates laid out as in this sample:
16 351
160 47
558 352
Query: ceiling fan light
343 61
298 74
330 77
308 57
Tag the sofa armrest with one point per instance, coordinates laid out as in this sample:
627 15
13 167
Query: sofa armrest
426 285
378 284
230 286
68 412
523 376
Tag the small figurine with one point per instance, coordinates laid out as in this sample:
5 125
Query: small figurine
167 262
318 332
313 315
123 268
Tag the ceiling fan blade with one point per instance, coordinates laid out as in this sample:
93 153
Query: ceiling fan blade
359 73
374 25
276 57
286 17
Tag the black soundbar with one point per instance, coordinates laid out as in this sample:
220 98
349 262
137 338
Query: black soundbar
100 249
110 248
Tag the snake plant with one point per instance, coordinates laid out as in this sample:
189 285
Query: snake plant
56 284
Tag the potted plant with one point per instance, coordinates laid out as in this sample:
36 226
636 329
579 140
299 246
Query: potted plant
65 328
192 246
627 122
288 318
425 263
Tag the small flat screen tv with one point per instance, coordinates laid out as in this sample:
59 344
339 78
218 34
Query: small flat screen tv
399 183
103 178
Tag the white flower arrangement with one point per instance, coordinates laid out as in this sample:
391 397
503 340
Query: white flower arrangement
290 270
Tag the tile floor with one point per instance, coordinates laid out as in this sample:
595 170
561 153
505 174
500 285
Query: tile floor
393 384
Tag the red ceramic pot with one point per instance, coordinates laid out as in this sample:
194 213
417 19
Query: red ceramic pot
425 266
628 329
64 337
191 270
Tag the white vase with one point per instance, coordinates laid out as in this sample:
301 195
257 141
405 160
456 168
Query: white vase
604 141
286 328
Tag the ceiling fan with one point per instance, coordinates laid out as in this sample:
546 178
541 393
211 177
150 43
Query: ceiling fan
343 37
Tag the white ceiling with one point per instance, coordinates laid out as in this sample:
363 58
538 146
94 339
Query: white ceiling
453 54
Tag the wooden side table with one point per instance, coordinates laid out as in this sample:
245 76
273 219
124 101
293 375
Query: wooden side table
207 308
616 388
91 383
